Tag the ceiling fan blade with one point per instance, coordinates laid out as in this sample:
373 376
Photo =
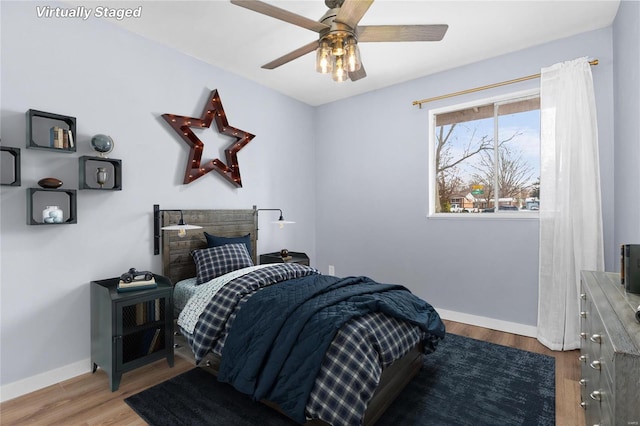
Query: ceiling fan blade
283 15
352 11
357 75
382 33
307 48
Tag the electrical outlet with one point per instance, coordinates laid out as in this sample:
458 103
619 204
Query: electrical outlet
332 270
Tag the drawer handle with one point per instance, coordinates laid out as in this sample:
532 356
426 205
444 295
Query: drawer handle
582 358
596 395
596 338
583 405
583 335
583 314
596 365
582 382
583 296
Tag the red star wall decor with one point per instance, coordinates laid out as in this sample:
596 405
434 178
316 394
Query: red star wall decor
212 111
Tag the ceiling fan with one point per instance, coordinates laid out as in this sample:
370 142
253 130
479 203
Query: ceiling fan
339 33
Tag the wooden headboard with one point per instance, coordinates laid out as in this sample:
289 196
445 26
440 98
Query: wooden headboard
177 263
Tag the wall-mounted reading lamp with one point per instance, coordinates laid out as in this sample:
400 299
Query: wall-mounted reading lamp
181 227
281 221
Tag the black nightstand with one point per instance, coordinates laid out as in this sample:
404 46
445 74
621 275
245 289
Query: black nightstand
130 329
296 257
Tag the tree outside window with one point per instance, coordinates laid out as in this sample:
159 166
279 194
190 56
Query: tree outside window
487 157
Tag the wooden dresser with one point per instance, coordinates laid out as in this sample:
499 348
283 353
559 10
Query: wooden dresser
609 351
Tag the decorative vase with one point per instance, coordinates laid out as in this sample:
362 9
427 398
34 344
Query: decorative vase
52 214
101 176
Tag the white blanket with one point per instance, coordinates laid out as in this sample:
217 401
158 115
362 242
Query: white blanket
201 298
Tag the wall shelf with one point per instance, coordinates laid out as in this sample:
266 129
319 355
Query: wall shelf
38 198
14 153
41 134
87 173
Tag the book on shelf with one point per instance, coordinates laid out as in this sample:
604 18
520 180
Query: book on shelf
60 138
139 313
151 311
154 342
53 137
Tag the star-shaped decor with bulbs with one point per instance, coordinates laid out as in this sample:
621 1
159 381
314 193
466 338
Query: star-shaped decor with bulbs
212 110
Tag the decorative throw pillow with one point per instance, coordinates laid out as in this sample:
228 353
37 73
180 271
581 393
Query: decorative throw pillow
215 261
216 241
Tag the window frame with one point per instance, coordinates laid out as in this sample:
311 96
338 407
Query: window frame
501 215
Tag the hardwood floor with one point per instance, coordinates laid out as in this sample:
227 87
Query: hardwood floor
87 400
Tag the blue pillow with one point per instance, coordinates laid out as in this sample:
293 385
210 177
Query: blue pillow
213 262
215 241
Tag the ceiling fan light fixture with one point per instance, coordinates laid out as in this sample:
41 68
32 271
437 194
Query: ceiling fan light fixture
339 73
338 46
337 50
352 54
324 63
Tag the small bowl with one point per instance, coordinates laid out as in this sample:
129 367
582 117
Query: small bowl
50 182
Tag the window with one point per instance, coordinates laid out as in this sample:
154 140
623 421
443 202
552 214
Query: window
486 156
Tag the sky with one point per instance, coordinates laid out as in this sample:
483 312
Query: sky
526 143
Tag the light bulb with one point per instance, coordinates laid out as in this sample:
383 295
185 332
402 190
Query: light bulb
323 58
281 225
182 233
352 54
339 73
338 47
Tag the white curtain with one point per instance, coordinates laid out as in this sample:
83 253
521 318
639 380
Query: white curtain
570 209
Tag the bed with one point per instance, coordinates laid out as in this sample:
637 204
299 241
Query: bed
388 357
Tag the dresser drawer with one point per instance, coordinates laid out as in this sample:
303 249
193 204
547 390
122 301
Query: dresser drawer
606 357
610 345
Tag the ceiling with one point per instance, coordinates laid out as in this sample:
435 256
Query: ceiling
241 41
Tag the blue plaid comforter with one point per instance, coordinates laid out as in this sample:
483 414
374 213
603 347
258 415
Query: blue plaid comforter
354 360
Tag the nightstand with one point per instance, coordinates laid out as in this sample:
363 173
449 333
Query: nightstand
296 257
130 329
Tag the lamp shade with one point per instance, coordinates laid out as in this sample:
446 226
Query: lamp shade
281 222
324 62
179 227
352 54
339 73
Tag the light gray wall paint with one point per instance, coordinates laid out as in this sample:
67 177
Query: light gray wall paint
372 190
626 41
117 83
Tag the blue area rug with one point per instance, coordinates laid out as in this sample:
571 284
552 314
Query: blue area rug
465 382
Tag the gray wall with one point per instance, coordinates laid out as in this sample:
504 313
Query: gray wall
626 48
118 83
372 191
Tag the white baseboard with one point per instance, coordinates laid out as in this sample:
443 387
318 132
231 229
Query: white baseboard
42 380
494 324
